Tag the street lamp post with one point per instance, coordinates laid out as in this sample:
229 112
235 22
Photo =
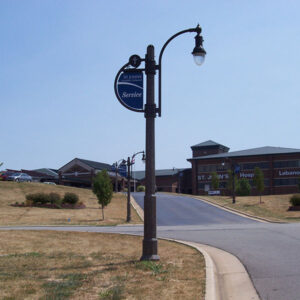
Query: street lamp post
234 170
233 183
150 110
128 219
117 165
133 162
129 163
178 179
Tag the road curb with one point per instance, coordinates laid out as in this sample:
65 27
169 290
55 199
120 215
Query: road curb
137 208
238 212
226 276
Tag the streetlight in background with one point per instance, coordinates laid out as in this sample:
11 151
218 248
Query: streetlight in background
133 162
234 170
150 110
129 163
116 165
179 174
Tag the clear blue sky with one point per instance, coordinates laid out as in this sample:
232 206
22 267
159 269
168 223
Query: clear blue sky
58 60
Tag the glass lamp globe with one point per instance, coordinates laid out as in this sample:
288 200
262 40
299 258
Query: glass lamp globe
199 58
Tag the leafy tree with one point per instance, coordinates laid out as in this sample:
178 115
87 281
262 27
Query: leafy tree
258 181
215 180
243 187
103 189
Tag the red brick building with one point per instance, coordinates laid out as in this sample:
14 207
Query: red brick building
80 172
281 167
169 180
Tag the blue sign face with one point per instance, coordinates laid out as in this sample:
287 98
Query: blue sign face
130 89
122 170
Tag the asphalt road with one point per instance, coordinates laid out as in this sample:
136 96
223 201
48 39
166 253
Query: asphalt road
270 252
180 210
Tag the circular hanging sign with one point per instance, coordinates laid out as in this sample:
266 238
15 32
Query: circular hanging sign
130 90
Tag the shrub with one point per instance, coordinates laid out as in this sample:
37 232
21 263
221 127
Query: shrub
243 188
140 188
70 198
295 200
38 198
28 202
54 198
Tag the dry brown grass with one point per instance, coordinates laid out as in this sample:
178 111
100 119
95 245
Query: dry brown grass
273 207
11 192
62 265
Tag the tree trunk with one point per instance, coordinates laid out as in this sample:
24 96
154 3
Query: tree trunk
260 198
103 212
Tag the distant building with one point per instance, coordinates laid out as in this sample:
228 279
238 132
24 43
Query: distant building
281 167
169 180
80 172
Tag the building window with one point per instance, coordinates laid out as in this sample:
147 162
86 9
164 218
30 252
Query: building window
286 181
252 166
211 168
287 164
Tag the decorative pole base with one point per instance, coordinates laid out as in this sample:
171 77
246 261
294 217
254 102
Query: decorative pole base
149 250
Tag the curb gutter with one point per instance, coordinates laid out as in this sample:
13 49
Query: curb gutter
137 208
226 276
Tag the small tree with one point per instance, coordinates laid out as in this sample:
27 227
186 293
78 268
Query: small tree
258 181
243 187
215 180
103 189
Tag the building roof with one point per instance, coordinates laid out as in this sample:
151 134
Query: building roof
267 150
139 175
95 164
47 171
208 143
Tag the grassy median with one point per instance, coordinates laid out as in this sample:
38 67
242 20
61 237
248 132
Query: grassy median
69 265
12 192
273 207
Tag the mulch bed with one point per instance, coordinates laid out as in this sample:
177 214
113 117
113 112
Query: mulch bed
48 205
294 208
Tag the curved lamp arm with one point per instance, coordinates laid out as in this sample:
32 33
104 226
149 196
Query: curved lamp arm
134 155
196 29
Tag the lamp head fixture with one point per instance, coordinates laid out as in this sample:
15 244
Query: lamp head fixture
144 157
199 52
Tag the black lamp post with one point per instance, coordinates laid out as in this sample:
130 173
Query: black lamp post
117 165
133 162
234 170
150 110
233 182
178 179
129 163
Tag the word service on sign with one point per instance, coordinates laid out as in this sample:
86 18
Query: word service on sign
130 89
